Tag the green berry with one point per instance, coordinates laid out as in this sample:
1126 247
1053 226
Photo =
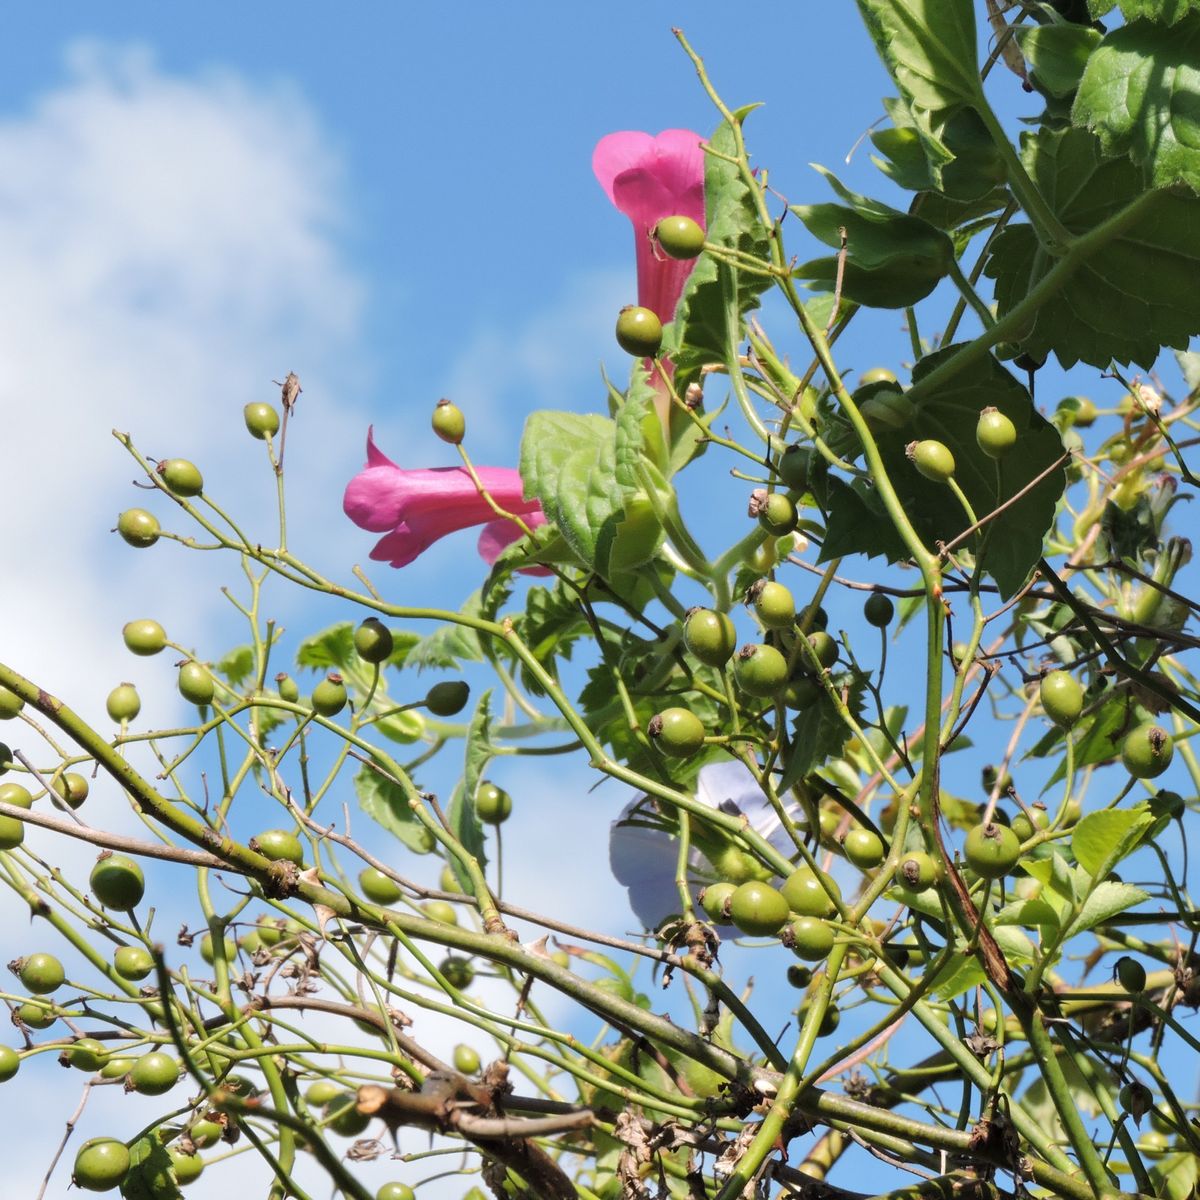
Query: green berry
378 887
1163 803
1024 826
12 832
133 962
118 883
992 850
186 1167
466 1059
343 1116
41 973
773 603
441 911
798 976
680 237
6 758
1084 413
154 1074
879 610
710 636
1131 975
101 1164
261 420
1147 751
864 848
995 433
447 698
457 972
16 795
933 460
760 670
87 1054
815 620
810 939
794 467
72 788
877 375
10 704
802 692
138 527
757 908
123 703
805 894
677 732
395 1191
715 900
639 331
829 1021
196 684
918 871
448 422
329 697
1062 698
278 845
36 1016
286 686
373 640
493 804
10 1063
181 477
144 637
775 511
824 647
320 1093
206 949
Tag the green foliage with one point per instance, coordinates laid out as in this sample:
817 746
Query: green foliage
1128 299
1140 94
1058 54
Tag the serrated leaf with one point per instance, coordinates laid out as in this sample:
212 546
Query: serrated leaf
1141 95
1132 296
333 649
700 332
449 646
929 48
858 523
1166 11
891 260
387 805
1104 902
150 1175
1102 839
237 666
584 469
818 731
951 415
1189 364
1058 54
1096 738
478 752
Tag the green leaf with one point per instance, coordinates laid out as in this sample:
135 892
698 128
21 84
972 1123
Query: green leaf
237 666
1129 299
333 650
464 824
387 805
1102 839
600 481
858 523
1029 913
1189 364
819 732
1096 737
1058 54
950 415
1141 95
929 48
700 332
449 646
150 1176
1104 902
1165 11
968 185
892 260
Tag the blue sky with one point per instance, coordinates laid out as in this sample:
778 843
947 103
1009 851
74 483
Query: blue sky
395 201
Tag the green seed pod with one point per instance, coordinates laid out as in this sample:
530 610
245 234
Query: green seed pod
448 422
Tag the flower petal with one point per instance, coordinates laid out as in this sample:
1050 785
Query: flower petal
617 152
496 536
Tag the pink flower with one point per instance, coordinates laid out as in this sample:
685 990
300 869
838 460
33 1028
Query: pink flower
649 178
414 508
496 537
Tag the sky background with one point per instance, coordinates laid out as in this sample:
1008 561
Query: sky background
397 203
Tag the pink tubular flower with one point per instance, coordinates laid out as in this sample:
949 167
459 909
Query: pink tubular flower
414 508
649 178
